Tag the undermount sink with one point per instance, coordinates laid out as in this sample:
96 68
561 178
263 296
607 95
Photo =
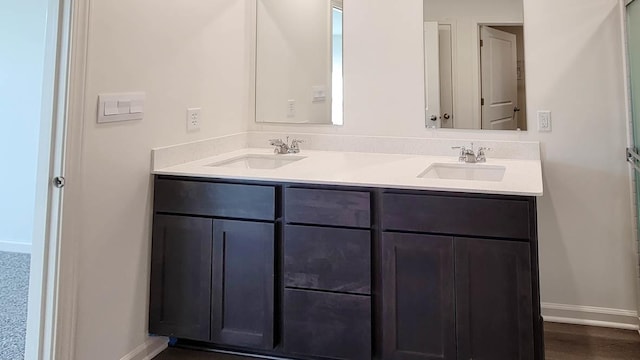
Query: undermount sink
476 172
255 161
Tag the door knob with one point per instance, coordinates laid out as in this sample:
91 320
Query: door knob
446 116
433 118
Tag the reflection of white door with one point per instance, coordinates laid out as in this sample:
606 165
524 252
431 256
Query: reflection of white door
446 75
499 56
432 73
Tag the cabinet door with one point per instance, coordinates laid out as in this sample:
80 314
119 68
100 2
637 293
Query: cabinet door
493 300
181 277
243 284
418 297
327 325
328 259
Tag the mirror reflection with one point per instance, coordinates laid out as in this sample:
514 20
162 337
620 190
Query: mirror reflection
299 62
474 64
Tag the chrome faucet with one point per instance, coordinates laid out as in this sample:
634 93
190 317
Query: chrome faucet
468 155
283 147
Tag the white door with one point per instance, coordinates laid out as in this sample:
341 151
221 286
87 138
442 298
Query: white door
432 73
499 57
446 75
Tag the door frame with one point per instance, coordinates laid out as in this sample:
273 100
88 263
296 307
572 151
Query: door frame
475 49
52 310
626 68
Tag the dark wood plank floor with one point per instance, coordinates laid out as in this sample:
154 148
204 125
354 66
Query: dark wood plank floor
562 342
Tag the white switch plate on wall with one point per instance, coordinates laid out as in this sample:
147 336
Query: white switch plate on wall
121 107
291 108
544 121
193 119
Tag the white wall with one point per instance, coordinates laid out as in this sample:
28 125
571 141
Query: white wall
183 53
464 15
22 40
574 68
293 56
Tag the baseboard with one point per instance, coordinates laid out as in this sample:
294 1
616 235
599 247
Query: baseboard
591 316
15 247
147 351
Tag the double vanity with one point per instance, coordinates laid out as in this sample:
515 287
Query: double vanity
346 255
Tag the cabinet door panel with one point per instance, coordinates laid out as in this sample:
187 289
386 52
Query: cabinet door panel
494 301
327 207
418 297
215 199
243 284
327 259
328 325
456 215
181 277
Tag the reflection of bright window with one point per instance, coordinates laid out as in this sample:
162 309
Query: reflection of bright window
336 76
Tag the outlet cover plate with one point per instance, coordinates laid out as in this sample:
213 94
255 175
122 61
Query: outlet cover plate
544 121
193 119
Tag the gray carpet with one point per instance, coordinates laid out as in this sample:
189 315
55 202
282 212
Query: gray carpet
14 292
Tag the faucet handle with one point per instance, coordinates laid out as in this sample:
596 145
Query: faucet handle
463 153
481 157
295 146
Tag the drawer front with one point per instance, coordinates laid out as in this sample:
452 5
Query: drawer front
327 259
328 207
456 215
336 326
253 202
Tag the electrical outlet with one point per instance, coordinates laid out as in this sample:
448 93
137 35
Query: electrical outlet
193 119
544 121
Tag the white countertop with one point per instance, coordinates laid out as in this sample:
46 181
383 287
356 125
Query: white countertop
522 177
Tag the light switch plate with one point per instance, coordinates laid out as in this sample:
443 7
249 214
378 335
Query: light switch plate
121 107
291 108
544 121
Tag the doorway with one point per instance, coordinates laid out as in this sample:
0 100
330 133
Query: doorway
502 77
32 97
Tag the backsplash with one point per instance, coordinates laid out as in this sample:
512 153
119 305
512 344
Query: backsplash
519 150
183 153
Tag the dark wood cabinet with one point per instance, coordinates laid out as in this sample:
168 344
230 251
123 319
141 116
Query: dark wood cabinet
331 272
243 284
327 304
212 279
181 277
493 300
418 298
329 325
328 259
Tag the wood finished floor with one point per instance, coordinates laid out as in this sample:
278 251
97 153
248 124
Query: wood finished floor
562 342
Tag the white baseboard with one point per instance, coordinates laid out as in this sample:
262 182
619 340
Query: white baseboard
15 247
147 351
591 316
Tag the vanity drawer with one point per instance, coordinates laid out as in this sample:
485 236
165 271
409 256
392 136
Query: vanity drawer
328 207
318 324
328 259
485 217
252 202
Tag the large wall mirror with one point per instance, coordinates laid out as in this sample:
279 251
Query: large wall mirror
474 64
299 61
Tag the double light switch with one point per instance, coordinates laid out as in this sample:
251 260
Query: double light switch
120 107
